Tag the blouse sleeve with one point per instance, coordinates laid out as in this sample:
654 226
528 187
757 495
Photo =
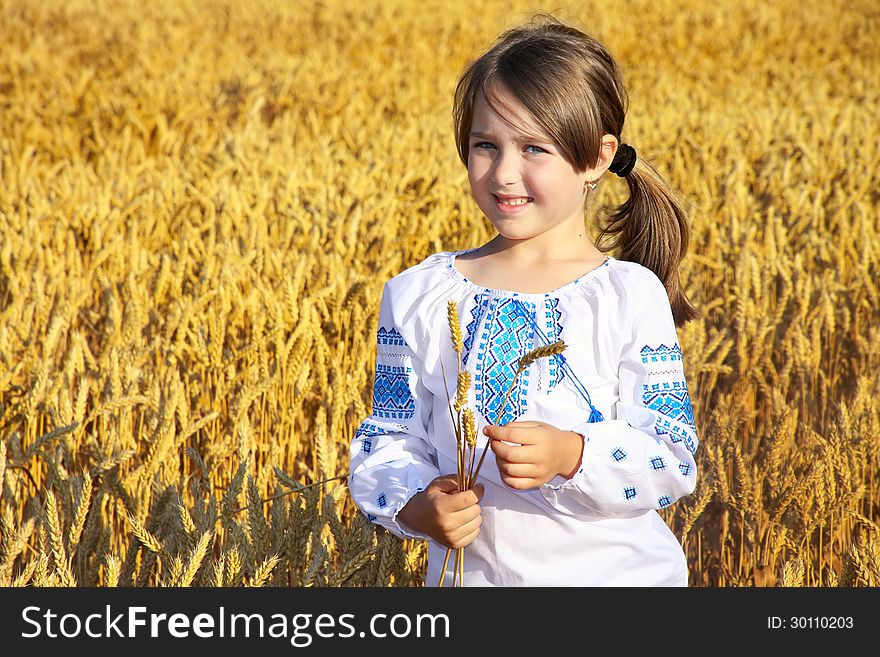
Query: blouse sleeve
390 457
644 459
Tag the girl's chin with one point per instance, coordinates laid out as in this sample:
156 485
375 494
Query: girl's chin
511 231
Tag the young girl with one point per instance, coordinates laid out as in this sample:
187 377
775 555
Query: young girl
591 442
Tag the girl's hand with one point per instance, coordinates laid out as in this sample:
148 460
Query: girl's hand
450 517
539 453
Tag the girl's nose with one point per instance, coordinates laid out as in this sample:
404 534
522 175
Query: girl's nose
506 169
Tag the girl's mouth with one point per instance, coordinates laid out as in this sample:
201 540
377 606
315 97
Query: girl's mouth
512 205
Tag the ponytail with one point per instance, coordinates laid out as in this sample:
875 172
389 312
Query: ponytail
651 229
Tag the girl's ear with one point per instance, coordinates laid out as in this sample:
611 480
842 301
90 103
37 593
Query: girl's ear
606 153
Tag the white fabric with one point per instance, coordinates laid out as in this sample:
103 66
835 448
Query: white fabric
598 529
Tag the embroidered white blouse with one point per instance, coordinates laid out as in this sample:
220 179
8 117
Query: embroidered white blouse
620 382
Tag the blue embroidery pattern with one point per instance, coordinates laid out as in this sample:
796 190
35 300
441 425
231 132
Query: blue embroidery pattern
664 501
657 463
381 501
392 397
618 454
685 468
670 399
595 415
661 354
509 336
477 312
390 336
629 492
368 429
553 317
676 433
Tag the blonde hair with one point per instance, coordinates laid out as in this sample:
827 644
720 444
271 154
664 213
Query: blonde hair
573 88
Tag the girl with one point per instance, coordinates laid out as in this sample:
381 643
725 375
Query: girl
591 442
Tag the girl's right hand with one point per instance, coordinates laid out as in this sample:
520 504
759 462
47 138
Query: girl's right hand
450 517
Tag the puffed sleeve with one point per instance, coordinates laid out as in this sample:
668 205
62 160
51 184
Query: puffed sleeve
390 456
644 459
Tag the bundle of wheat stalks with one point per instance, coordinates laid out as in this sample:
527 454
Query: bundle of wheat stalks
464 422
199 205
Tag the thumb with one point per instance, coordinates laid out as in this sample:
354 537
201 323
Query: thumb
445 484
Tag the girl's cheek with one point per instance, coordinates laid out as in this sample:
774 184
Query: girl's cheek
475 161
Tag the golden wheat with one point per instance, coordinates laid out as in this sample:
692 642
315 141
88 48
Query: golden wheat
194 245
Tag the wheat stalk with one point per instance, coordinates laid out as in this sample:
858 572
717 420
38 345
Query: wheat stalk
79 519
114 566
264 570
145 537
195 559
59 554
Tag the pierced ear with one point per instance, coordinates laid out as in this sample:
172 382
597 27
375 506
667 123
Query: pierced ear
612 146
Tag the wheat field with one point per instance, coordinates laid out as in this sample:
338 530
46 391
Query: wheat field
200 203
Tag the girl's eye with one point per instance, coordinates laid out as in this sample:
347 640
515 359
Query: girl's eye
485 144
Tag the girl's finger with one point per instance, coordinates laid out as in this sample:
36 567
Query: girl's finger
497 433
455 502
464 516
520 483
445 484
512 453
467 534
499 449
517 470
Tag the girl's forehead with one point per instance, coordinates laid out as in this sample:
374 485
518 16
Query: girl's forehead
499 108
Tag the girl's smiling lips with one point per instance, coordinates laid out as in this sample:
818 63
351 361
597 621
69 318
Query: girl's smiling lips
511 204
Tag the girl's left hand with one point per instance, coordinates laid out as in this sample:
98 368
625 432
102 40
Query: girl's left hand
539 453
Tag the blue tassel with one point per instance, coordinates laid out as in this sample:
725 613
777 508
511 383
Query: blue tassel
595 416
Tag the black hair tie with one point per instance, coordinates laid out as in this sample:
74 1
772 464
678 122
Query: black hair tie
624 160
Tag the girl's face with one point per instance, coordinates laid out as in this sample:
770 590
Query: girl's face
518 176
